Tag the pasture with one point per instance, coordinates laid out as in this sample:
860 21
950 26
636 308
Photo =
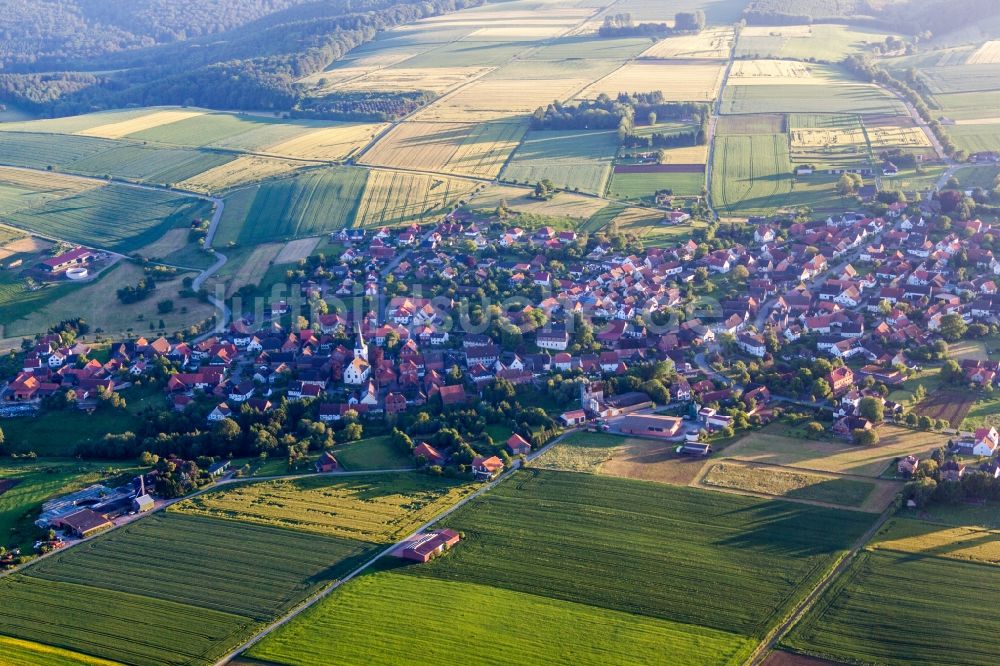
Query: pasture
113 217
563 204
361 623
711 44
90 301
824 42
376 509
794 485
961 78
968 105
925 607
310 204
372 453
751 173
583 531
847 98
575 160
974 138
464 149
775 445
677 80
397 197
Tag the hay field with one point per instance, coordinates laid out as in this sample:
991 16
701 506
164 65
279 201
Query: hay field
352 68
172 241
296 250
578 160
678 81
684 155
328 143
713 43
395 197
47 182
243 169
251 270
122 128
463 149
500 99
987 54
783 72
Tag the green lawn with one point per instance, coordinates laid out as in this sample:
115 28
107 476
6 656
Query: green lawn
600 541
372 453
50 434
362 624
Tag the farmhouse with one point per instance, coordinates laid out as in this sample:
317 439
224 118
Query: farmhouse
428 545
484 468
518 445
76 257
573 417
650 426
83 523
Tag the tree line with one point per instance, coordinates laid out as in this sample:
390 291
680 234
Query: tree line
622 25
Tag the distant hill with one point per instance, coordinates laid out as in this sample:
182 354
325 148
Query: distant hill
60 57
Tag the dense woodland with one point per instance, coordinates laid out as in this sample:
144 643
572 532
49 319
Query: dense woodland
246 57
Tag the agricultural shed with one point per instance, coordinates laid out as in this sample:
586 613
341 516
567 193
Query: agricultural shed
664 427
83 523
426 546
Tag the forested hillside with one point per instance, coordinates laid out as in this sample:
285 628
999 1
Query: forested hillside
61 57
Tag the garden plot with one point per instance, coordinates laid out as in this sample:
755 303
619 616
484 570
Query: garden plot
713 43
677 80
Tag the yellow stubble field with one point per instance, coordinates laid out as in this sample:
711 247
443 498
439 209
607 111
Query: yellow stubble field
679 81
132 125
713 43
327 143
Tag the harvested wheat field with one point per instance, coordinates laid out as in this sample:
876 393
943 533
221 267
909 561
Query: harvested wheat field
242 170
25 245
353 68
296 250
463 149
713 43
987 54
48 181
678 81
133 125
783 72
328 143
893 137
514 33
684 155
500 99
395 197
437 80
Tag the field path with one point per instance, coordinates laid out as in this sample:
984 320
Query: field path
779 632
308 603
713 121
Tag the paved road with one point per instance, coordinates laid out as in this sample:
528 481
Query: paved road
383 553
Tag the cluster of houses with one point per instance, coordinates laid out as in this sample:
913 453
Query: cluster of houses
799 281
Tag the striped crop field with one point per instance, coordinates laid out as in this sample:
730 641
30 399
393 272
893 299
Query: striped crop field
398 197
752 173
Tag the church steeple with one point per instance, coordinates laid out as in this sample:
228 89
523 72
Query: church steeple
360 346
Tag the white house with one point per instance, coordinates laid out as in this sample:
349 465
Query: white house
357 372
